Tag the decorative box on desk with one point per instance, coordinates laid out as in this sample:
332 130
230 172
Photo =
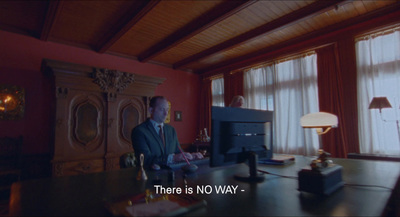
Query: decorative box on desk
322 181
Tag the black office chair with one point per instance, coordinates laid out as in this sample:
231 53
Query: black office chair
127 160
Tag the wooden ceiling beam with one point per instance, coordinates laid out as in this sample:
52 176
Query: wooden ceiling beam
288 19
127 22
215 15
53 11
279 49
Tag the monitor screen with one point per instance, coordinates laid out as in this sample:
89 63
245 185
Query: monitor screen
236 132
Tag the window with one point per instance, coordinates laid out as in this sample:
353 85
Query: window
378 75
290 88
258 88
217 91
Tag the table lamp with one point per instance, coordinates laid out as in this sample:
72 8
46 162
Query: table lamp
322 176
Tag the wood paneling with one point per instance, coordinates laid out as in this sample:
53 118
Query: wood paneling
23 17
165 19
84 22
192 35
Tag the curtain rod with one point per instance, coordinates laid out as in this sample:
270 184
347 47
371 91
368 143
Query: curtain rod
213 77
376 33
306 52
279 59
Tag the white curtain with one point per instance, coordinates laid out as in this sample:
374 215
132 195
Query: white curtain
378 75
296 94
258 88
217 91
292 88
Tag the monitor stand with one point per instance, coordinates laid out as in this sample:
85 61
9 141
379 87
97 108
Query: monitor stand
253 175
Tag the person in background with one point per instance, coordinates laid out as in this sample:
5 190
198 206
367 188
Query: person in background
237 101
156 140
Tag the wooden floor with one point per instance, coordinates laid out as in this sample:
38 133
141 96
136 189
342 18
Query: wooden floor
4 208
4 202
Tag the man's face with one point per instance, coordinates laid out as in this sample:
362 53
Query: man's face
239 103
160 111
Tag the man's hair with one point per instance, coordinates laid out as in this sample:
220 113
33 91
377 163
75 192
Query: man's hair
153 100
236 99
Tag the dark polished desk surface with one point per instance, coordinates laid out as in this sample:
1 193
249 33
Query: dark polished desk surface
84 195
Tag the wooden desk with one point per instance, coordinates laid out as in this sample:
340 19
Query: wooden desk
84 195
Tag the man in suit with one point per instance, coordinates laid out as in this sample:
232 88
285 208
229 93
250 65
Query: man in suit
156 140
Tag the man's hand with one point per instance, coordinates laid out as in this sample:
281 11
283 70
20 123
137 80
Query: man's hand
179 157
197 156
189 156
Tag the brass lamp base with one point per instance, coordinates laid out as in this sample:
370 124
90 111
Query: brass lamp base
321 181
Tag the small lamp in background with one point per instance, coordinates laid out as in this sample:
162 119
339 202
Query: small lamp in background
379 103
323 177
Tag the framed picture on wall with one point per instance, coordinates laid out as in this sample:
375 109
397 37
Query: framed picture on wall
168 119
178 115
12 102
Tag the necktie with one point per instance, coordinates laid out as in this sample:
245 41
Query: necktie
161 134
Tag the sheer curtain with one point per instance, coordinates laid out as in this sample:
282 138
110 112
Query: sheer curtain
291 89
205 104
378 74
258 88
217 91
296 94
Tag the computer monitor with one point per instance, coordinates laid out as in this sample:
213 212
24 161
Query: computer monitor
239 134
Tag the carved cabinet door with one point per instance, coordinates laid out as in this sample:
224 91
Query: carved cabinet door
79 132
123 115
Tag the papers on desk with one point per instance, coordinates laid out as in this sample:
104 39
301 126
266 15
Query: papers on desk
278 160
153 209
155 205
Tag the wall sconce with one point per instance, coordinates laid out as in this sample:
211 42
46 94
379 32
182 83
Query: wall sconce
323 177
12 102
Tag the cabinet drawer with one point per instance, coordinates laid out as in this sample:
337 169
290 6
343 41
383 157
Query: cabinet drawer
78 167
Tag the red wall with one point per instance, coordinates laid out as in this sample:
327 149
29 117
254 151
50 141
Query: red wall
20 61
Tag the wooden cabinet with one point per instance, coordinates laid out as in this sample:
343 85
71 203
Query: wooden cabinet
95 111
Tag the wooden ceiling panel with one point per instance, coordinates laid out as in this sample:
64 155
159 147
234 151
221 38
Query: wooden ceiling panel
214 35
286 34
251 46
198 35
359 7
281 35
245 20
260 13
195 66
177 53
344 12
162 21
379 4
85 22
332 15
24 17
373 5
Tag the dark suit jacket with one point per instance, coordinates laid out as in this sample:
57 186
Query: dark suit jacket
146 140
